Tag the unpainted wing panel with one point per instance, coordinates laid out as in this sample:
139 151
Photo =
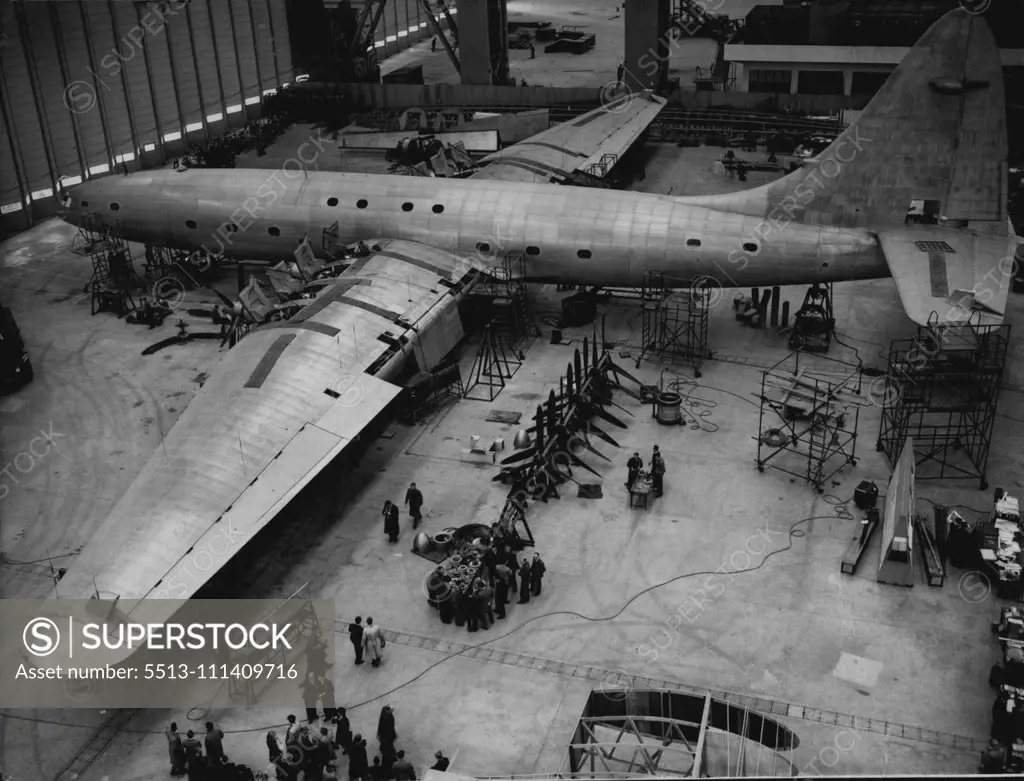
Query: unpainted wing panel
276 409
948 276
576 145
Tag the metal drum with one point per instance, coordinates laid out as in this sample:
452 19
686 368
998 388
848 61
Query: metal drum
443 541
669 411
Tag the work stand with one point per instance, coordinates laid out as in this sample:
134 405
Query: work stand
113 277
674 328
942 390
493 367
809 413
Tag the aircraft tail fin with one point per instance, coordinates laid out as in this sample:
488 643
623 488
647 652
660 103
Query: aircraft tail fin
933 137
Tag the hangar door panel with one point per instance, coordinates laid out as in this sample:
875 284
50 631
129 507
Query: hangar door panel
77 62
224 37
282 45
23 116
132 64
52 86
263 38
184 68
105 49
157 55
9 191
248 35
206 56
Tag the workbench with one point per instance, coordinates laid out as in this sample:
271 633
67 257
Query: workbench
641 491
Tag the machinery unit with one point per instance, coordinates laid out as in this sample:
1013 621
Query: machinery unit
15 366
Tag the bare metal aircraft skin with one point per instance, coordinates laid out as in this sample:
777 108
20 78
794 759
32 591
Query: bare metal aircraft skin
936 131
292 395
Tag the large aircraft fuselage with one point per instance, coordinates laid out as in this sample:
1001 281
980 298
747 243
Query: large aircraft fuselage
572 234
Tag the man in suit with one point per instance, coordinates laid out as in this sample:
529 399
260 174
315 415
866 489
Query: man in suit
403 770
634 465
414 499
355 636
657 471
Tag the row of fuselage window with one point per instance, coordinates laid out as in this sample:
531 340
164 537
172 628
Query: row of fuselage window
362 203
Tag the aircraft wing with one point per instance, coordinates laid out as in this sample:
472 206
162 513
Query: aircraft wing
279 406
949 276
557 153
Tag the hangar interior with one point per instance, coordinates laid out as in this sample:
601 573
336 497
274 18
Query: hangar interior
821 572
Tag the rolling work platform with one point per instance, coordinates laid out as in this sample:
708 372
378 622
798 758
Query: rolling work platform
113 276
941 390
675 320
809 413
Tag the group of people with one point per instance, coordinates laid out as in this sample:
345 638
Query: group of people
636 464
308 753
188 757
366 639
501 575
414 501
221 152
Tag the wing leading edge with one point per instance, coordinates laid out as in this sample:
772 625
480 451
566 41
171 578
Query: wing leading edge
556 154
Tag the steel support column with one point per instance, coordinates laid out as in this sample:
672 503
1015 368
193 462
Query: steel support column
238 63
273 37
203 108
153 101
100 104
132 124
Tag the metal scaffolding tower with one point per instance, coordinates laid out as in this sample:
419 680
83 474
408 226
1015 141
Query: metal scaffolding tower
675 320
941 389
810 409
510 303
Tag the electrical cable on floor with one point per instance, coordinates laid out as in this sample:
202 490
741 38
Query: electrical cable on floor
953 506
793 533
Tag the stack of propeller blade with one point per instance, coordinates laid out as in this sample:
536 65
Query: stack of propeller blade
563 427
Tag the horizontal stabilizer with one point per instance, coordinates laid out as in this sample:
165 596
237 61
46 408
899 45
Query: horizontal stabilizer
949 276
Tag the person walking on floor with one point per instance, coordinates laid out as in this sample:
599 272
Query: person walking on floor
433 44
537 570
634 465
657 471
373 643
175 750
355 636
342 730
524 582
376 771
391 528
386 734
414 499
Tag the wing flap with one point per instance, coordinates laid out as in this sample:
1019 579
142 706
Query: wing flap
577 145
950 276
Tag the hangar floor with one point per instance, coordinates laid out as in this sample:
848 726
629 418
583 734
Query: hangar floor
791 631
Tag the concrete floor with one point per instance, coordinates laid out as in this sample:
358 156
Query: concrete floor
789 629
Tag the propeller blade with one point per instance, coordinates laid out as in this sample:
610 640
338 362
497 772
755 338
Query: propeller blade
622 373
539 429
607 399
592 429
521 456
578 364
586 357
569 390
595 451
607 416
631 393
552 416
578 462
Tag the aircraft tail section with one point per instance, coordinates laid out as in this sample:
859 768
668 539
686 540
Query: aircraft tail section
934 136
